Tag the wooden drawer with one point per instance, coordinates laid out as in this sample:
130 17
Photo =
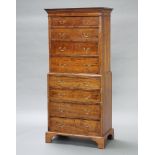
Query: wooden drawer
75 126
74 65
70 110
74 34
74 49
74 21
74 82
74 95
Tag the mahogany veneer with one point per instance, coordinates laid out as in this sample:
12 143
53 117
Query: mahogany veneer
80 78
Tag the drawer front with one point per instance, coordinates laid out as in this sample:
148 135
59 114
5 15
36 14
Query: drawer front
90 83
75 126
73 49
74 21
74 65
70 110
74 34
74 95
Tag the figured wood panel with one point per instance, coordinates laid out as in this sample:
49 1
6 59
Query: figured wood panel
74 65
107 109
106 42
70 110
82 96
88 83
75 126
74 34
73 49
74 21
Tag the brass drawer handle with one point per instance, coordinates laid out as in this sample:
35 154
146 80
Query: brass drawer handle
87 126
87 65
86 111
61 111
60 81
62 49
86 49
61 34
85 35
62 65
86 85
61 125
88 97
61 95
62 22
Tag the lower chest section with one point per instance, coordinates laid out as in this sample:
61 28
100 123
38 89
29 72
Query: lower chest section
74 104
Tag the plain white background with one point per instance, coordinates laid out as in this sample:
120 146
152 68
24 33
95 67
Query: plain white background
146 82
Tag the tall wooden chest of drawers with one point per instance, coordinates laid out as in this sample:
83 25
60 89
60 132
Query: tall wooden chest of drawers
80 78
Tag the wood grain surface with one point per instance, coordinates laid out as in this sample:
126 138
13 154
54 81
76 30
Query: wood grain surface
80 79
